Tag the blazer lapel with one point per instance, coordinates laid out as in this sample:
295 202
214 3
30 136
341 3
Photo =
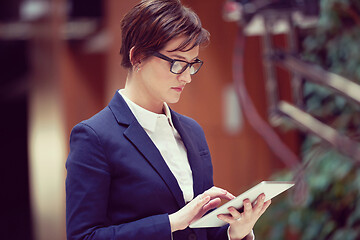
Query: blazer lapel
192 153
137 135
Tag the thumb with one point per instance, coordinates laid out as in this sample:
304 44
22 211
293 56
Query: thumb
203 199
198 204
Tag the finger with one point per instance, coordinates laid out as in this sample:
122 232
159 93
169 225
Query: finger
204 200
234 213
199 202
213 203
265 206
259 203
247 208
226 218
203 205
196 206
215 192
230 196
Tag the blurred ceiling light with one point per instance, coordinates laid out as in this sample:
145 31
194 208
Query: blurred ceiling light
232 114
34 9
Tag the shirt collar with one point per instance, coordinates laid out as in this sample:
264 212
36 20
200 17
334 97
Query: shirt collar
146 118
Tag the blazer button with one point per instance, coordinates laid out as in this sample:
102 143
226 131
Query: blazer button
192 236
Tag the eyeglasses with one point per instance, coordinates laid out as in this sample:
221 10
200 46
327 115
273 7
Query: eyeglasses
179 66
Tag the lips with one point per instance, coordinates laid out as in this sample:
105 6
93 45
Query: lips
178 89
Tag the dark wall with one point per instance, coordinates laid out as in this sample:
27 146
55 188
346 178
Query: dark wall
9 10
15 218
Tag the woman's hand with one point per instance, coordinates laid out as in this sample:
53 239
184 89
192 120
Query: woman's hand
195 209
241 224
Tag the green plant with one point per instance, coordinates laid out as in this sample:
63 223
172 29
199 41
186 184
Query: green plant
328 207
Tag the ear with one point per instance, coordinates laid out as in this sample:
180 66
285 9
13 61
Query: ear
131 57
134 62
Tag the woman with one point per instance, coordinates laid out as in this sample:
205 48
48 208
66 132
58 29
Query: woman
137 169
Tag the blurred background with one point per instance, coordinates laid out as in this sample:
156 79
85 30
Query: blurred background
278 98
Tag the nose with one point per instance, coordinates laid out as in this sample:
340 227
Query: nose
185 76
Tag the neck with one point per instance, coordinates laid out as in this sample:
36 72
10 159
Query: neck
138 94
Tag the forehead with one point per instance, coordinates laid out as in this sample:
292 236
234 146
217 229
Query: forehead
175 43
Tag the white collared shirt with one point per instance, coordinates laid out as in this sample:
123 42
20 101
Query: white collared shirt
166 138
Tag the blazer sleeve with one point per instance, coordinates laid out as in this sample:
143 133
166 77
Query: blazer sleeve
87 193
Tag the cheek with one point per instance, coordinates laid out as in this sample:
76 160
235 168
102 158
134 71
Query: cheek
162 69
158 75
153 70
163 78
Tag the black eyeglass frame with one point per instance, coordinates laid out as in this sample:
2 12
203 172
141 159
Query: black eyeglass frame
172 61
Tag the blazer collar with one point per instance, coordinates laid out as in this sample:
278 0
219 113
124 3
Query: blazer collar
120 109
137 135
146 118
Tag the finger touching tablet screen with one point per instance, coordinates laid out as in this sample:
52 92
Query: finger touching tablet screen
269 188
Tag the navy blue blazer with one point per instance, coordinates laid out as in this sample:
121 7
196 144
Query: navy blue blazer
118 186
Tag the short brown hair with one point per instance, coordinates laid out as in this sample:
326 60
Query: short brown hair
151 24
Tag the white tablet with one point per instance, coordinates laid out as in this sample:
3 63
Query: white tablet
269 188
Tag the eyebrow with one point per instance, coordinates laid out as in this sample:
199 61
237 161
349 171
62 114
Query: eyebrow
182 58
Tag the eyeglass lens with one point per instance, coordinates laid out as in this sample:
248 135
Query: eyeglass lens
179 67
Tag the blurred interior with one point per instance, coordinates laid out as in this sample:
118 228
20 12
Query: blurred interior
60 64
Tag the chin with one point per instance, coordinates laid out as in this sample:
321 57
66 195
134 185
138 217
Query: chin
173 100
